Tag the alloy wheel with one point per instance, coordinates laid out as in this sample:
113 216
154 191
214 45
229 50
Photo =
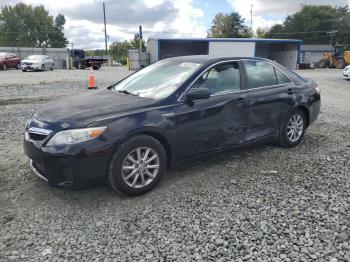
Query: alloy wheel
295 127
140 167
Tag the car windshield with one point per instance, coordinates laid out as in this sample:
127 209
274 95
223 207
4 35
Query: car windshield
158 80
34 57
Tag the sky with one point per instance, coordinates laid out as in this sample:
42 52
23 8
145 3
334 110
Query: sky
160 18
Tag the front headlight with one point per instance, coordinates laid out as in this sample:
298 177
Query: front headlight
74 136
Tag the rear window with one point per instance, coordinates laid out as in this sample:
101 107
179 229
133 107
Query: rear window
281 78
294 76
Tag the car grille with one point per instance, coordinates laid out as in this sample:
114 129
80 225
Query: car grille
37 137
27 63
38 134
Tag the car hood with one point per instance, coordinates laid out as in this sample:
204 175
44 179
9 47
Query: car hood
31 60
81 110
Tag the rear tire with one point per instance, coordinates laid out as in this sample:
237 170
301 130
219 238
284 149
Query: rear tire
132 171
43 68
52 67
293 129
4 67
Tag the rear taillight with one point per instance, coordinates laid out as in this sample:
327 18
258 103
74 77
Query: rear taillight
318 90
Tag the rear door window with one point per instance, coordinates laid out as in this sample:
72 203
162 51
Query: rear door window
259 74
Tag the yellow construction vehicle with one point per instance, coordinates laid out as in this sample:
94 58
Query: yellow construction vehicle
339 59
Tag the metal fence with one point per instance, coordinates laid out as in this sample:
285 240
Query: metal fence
136 61
59 55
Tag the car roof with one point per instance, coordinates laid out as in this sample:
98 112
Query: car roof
209 58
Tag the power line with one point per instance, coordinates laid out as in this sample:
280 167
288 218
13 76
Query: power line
305 32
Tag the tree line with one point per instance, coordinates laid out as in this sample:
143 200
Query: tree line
314 25
31 26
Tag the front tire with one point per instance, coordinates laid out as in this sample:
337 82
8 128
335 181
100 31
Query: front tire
52 67
293 129
137 166
43 68
4 67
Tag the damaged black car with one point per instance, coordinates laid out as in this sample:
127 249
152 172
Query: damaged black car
129 134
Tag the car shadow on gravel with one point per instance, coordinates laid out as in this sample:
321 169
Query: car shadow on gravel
199 168
214 168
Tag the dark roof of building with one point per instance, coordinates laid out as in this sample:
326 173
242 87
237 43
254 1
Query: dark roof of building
264 40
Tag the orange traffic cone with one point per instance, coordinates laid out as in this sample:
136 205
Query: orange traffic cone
91 79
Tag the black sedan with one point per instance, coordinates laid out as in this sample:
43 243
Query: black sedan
130 133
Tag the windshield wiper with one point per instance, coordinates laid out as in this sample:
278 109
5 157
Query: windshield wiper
126 92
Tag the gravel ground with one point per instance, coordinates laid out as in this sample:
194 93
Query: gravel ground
262 203
28 87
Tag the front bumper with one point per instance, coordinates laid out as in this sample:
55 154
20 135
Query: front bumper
36 170
346 74
80 168
30 67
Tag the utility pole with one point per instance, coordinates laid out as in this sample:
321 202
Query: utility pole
332 33
251 16
140 52
71 60
104 20
140 36
118 51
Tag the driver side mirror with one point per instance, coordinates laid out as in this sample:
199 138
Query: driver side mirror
198 93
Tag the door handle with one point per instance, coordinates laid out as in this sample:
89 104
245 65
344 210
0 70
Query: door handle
240 102
290 91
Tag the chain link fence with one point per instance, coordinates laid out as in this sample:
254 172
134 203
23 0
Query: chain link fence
59 55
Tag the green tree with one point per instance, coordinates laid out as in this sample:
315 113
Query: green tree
135 43
25 25
95 52
119 50
342 26
313 25
262 32
228 26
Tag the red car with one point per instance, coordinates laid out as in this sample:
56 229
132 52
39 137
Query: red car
9 60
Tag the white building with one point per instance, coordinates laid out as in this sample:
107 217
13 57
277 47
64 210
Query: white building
284 51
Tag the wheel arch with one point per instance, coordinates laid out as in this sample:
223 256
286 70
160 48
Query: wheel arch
156 135
164 143
306 112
